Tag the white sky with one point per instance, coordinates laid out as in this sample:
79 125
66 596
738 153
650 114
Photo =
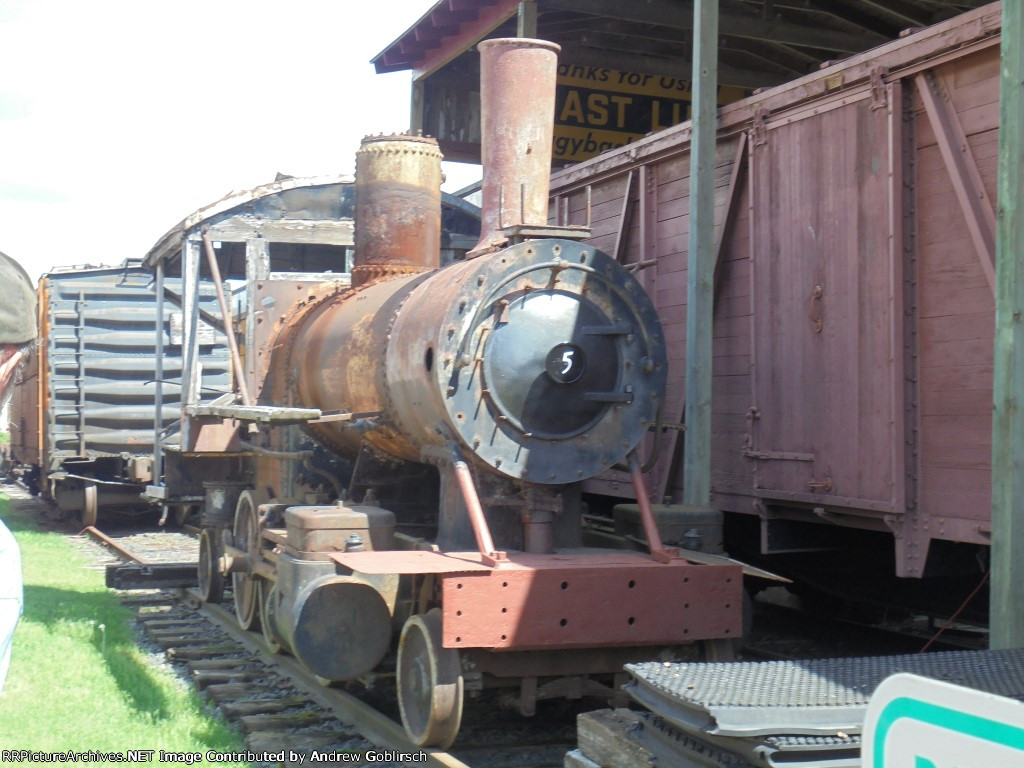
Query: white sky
120 117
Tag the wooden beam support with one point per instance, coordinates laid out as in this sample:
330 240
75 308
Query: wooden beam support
963 172
845 11
668 13
701 257
190 331
903 337
907 13
257 268
788 33
781 58
628 40
624 62
1006 618
469 34
736 179
239 229
175 298
417 104
625 217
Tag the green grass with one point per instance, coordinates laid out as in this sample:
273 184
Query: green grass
77 679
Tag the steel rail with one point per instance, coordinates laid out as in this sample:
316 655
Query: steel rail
108 542
370 723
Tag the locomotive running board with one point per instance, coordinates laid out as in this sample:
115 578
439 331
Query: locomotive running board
571 599
265 414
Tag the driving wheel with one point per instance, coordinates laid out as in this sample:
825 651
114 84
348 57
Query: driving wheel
429 683
266 596
246 536
211 580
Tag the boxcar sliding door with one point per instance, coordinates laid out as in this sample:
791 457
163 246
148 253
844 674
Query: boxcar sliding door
827 417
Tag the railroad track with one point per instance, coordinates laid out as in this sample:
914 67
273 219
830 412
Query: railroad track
278 705
787 632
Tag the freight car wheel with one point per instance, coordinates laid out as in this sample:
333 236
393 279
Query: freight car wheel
211 580
247 538
90 504
429 683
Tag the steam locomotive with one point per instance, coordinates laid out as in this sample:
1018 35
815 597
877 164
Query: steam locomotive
401 481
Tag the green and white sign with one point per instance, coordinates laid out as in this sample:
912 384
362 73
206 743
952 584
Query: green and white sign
917 722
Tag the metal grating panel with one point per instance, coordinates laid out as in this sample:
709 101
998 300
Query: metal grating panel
820 696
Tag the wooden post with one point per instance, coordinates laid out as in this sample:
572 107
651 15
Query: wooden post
257 270
526 21
416 108
191 271
1007 586
701 265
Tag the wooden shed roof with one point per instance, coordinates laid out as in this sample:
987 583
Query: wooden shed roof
761 42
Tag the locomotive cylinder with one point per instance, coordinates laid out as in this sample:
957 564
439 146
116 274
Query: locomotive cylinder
517 107
338 626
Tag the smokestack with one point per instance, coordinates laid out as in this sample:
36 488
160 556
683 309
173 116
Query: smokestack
398 207
517 113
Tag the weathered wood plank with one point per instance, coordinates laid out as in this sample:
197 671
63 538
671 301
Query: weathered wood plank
278 722
974 69
299 742
955 504
960 352
204 678
236 709
576 759
235 691
197 664
975 204
967 448
175 642
199 652
947 402
605 738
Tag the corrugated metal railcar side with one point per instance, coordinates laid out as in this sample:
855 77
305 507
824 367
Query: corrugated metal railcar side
98 385
854 309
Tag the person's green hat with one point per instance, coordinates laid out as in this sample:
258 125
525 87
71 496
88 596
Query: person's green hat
18 303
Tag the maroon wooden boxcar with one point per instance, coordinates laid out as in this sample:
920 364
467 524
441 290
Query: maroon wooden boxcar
854 309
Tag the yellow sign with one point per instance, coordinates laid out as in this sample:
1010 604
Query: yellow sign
598 109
